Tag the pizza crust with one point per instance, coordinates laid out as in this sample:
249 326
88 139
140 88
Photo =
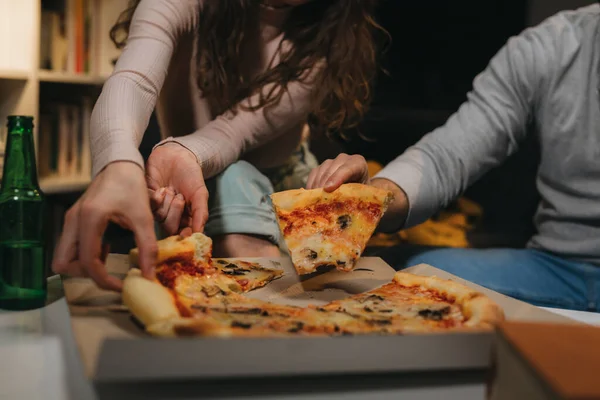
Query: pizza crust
300 198
196 247
149 301
479 310
186 327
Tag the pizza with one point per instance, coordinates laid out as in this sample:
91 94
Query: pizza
186 268
199 296
413 303
249 275
329 229
195 248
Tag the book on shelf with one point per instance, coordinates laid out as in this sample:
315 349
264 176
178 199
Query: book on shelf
74 36
66 34
64 141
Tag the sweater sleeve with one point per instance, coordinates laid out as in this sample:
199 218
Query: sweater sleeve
122 112
485 130
223 140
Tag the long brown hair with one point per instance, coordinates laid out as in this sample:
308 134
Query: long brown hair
340 32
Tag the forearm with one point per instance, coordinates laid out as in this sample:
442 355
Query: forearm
122 112
117 128
395 216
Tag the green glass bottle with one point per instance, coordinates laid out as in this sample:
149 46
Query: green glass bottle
22 253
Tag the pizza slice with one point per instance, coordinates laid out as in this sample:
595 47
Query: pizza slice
185 264
413 303
195 248
249 275
169 313
329 229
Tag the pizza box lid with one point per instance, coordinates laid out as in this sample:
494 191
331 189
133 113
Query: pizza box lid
114 348
525 368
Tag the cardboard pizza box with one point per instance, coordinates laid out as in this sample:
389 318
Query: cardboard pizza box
114 347
545 361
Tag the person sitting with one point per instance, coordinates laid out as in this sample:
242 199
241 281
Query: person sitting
549 76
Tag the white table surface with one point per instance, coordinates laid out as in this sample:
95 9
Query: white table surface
44 364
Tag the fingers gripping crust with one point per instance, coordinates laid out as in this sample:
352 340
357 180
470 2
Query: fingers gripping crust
148 300
298 198
197 246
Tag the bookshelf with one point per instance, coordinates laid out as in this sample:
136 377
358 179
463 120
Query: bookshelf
34 34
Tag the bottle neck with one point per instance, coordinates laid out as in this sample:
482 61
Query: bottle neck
20 170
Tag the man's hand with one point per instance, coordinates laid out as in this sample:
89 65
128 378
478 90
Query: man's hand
331 174
117 194
345 168
178 193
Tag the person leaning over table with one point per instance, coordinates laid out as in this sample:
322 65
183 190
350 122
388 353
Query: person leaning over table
548 75
232 80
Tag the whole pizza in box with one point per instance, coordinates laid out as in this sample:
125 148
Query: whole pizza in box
196 295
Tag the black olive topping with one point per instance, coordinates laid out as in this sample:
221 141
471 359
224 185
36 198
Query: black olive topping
246 311
224 262
380 322
344 221
434 315
367 309
299 325
237 324
236 272
372 297
311 254
230 266
338 262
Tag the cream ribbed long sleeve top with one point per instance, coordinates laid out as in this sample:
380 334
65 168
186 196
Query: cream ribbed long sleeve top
157 68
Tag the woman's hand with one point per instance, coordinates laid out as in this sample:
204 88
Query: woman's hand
117 194
331 174
178 194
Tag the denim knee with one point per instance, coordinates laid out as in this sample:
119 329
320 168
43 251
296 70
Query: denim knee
239 203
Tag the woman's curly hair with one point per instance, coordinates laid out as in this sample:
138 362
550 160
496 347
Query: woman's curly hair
340 32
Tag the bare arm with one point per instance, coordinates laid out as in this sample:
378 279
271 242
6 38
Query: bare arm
395 216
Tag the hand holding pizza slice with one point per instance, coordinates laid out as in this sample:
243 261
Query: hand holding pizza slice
329 229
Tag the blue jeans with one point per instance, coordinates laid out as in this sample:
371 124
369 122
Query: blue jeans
529 275
239 196
239 203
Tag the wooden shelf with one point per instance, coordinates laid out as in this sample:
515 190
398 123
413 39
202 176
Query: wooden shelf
56 184
14 74
77 79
